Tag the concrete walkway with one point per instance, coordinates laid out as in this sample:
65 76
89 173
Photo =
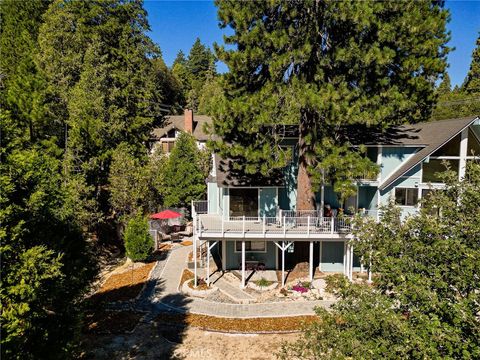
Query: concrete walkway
165 296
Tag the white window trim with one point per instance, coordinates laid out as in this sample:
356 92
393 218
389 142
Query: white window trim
249 251
406 187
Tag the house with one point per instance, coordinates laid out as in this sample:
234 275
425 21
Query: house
163 139
251 222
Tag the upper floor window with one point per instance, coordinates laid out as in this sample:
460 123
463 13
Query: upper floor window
473 148
451 148
406 196
432 169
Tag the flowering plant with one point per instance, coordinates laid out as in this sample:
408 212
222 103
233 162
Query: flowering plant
300 288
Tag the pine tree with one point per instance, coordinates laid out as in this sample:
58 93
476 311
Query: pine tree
324 66
180 59
472 82
106 83
184 175
445 86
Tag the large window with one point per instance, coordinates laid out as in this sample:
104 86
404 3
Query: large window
433 168
244 202
251 246
452 148
473 148
406 196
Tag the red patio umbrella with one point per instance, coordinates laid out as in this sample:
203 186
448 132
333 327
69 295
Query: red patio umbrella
165 214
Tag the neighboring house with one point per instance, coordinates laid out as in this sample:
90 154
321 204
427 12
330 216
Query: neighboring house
249 221
163 139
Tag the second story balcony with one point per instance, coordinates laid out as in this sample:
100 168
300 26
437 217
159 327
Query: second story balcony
287 225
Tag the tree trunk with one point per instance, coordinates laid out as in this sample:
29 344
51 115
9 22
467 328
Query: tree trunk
305 194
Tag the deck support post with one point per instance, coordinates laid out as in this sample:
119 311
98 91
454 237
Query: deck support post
284 227
283 263
223 226
310 264
243 226
350 262
263 225
320 256
243 263
283 247
208 264
195 259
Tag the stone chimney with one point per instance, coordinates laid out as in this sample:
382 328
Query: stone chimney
188 127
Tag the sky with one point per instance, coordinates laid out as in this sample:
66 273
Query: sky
176 24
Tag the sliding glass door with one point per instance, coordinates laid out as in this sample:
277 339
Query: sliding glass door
244 202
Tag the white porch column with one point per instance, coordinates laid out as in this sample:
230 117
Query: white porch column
463 154
369 281
224 255
351 263
208 263
345 258
283 263
243 263
195 259
311 261
320 257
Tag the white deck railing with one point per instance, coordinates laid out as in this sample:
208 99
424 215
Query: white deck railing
304 226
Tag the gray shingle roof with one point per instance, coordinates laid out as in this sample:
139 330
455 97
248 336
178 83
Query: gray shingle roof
430 136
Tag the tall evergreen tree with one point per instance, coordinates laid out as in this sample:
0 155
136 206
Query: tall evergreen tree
472 82
180 59
445 86
323 65
184 177
46 263
103 73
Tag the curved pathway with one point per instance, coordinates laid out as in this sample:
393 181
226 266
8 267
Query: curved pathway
163 295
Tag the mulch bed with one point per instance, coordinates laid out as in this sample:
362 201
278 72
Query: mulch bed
186 243
124 286
110 322
186 275
164 247
254 325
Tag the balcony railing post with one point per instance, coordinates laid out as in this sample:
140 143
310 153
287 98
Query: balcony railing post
263 224
243 225
284 226
308 226
332 225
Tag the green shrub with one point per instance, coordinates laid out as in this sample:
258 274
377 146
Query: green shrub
263 282
138 242
336 283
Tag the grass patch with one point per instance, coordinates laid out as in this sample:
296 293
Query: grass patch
255 325
263 282
123 286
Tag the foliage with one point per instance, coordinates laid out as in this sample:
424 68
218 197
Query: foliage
78 79
425 302
183 176
335 283
106 83
325 66
193 74
463 101
128 182
138 242
472 81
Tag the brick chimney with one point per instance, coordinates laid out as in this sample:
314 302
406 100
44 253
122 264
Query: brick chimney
188 127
